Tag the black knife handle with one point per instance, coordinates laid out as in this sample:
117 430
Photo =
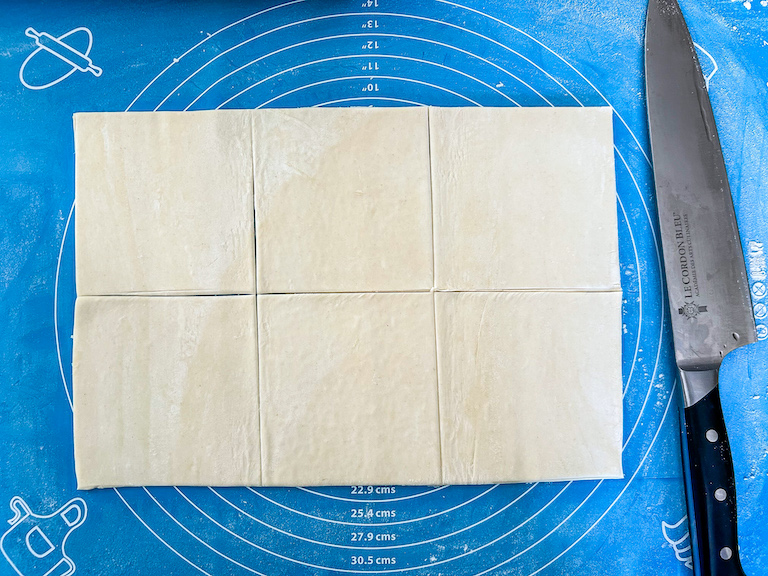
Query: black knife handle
713 488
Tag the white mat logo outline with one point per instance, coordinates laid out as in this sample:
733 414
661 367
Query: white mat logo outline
64 51
34 544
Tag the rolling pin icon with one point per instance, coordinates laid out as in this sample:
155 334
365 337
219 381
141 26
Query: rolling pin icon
63 52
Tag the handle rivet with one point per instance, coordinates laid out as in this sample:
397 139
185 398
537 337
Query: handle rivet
712 435
720 494
726 553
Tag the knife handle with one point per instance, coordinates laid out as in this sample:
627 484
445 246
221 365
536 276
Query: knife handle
713 487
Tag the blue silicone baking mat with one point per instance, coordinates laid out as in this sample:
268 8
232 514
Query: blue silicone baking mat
111 56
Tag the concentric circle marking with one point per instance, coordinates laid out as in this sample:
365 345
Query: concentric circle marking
327 38
371 77
430 540
343 78
367 99
539 511
372 524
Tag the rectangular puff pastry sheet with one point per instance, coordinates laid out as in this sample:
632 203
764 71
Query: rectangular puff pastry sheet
530 386
164 203
166 391
524 198
438 301
343 200
348 389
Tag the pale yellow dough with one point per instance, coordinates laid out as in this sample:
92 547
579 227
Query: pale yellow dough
164 203
348 389
342 200
165 391
367 362
524 198
530 386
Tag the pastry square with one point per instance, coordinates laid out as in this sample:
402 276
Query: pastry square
530 386
348 389
166 391
164 203
343 200
524 198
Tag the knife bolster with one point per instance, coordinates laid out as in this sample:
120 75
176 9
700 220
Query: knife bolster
697 384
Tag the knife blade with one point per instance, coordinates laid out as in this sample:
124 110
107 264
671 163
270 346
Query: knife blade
707 284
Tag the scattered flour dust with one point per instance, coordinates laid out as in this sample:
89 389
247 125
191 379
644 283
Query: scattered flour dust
748 5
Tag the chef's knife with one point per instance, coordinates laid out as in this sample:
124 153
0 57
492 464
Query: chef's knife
706 278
